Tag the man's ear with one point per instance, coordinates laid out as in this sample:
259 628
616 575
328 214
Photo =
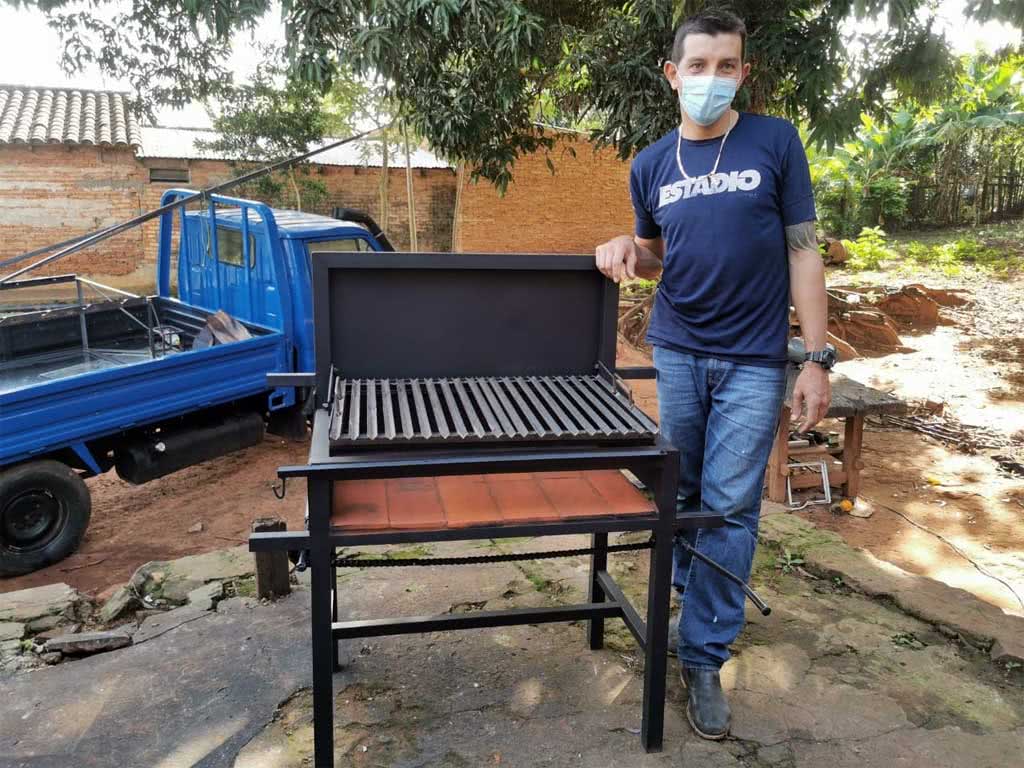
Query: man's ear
672 73
744 73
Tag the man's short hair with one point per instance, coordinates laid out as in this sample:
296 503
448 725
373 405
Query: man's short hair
712 21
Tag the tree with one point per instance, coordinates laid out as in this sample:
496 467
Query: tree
473 77
269 119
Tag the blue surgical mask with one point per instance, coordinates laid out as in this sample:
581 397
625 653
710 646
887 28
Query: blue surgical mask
706 97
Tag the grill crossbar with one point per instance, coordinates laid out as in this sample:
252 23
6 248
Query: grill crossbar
520 408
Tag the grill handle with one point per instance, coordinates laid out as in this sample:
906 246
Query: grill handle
636 372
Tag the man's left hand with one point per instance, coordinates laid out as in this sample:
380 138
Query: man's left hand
812 394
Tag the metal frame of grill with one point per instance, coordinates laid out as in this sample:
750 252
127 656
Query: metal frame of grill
462 364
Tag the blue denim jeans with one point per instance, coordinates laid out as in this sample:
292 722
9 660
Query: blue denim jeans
722 417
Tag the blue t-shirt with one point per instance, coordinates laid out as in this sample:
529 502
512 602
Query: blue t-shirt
724 291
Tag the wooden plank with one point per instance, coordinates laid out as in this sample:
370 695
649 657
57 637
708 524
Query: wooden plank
850 397
778 459
852 463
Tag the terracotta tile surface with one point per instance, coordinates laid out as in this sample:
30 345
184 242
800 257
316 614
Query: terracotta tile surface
414 503
572 496
360 505
521 500
432 503
620 494
466 500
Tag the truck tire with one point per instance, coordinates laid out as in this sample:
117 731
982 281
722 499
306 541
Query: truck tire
44 511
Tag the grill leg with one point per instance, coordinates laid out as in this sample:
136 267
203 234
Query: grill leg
334 614
598 562
323 643
658 587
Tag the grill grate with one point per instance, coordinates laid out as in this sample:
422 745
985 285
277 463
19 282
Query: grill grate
484 409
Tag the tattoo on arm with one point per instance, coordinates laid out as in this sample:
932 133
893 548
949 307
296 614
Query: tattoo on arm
802 237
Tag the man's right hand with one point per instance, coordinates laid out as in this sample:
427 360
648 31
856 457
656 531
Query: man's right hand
617 258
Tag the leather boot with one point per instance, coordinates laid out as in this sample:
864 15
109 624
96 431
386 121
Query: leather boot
706 706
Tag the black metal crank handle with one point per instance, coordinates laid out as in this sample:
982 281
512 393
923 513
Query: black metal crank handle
760 604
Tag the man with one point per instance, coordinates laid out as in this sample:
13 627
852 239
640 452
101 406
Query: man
725 214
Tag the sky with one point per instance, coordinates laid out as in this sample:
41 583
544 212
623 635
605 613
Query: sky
30 53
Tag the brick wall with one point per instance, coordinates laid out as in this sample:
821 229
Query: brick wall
583 204
50 193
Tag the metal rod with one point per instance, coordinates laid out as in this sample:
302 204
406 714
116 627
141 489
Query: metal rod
435 404
81 322
421 409
464 396
567 404
527 388
102 234
389 410
761 605
371 409
453 408
403 410
353 420
503 419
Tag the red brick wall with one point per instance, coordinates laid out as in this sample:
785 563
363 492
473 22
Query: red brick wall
50 193
583 204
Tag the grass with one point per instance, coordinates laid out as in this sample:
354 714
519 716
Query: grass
996 250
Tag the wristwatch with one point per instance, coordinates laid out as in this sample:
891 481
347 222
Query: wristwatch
826 357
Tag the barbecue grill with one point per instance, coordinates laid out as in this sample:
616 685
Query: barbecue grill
472 396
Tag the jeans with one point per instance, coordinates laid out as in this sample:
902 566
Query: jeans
722 417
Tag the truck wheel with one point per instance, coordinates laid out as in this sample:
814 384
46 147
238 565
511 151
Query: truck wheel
44 511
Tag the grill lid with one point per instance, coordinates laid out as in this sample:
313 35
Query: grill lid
484 409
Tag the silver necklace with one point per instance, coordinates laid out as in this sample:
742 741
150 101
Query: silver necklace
679 157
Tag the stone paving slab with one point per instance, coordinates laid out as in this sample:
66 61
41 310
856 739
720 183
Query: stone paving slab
825 553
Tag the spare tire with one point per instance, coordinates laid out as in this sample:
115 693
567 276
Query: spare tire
44 511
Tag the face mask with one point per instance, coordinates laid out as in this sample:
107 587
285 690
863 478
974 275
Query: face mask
706 97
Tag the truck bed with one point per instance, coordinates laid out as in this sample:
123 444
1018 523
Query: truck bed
138 366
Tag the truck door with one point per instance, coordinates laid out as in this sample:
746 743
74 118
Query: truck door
247 284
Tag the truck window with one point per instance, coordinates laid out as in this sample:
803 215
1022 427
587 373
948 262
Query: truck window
229 247
347 244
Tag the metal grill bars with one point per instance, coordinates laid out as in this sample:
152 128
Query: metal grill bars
484 409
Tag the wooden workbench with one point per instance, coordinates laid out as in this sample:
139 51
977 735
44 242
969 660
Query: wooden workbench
851 401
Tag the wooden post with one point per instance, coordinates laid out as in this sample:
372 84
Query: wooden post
778 461
852 465
271 567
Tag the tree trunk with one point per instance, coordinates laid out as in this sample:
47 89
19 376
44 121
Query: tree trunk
295 188
384 173
410 196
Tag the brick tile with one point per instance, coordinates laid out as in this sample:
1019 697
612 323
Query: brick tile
573 497
620 496
360 505
414 503
467 500
520 500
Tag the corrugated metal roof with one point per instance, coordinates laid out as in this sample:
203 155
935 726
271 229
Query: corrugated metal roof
179 143
30 115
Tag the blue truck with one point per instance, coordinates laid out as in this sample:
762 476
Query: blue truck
148 385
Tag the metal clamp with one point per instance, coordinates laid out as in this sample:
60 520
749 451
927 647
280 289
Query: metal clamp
280 494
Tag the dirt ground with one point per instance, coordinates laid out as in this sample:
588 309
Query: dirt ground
917 488
132 525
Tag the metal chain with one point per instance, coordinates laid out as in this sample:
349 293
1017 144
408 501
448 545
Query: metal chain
357 562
